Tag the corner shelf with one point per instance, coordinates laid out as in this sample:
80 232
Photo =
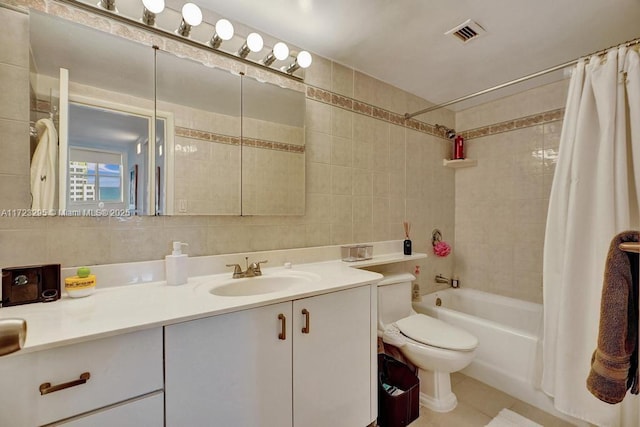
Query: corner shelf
461 163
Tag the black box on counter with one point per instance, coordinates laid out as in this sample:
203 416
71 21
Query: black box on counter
35 283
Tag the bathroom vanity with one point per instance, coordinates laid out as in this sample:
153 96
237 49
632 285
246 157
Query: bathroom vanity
216 351
308 371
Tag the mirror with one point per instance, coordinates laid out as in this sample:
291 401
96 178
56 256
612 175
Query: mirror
273 159
222 144
100 151
93 93
203 164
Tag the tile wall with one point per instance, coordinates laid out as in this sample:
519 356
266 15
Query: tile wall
14 110
501 204
366 172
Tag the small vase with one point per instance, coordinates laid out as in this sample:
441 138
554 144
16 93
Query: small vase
407 247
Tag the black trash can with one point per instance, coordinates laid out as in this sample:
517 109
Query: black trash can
398 393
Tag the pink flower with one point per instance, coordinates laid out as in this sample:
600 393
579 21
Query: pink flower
441 249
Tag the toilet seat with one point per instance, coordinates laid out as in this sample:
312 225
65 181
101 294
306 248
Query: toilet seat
436 333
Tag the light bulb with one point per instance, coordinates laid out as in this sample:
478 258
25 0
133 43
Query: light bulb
150 9
281 51
304 59
154 6
108 5
192 14
224 29
255 42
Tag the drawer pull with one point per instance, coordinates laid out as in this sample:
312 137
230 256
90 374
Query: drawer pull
46 388
307 321
283 335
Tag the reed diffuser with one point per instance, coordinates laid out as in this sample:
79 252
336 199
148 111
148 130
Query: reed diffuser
407 241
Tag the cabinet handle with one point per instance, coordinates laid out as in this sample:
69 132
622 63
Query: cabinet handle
307 320
46 388
283 335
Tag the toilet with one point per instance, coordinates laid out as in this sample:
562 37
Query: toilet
433 346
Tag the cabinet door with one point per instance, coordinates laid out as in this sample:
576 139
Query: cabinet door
230 370
145 412
332 361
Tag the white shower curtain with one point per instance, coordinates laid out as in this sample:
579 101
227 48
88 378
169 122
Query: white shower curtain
594 196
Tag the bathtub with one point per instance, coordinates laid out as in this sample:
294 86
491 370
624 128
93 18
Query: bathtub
508 331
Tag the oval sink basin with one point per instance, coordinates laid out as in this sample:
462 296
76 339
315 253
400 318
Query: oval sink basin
262 284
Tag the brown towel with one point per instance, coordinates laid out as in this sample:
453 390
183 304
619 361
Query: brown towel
614 365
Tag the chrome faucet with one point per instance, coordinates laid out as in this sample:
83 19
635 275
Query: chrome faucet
441 279
253 269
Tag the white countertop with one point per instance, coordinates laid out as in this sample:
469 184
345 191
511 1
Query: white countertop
116 310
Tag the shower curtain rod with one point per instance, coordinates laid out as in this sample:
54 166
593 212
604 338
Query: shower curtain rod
519 80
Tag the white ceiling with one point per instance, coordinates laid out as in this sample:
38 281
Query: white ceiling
402 42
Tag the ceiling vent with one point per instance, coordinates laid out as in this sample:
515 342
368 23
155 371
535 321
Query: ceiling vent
467 31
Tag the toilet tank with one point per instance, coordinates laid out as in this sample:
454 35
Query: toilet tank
394 298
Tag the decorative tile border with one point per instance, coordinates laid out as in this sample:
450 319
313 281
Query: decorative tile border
350 104
273 145
236 140
41 106
523 122
372 111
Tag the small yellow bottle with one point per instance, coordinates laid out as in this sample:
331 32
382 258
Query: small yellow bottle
82 285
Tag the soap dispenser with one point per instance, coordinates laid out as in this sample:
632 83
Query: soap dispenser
176 265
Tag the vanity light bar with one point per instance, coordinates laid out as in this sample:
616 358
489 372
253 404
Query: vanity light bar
191 17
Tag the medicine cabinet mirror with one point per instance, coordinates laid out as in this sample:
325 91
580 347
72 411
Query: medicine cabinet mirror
204 178
91 93
273 163
222 144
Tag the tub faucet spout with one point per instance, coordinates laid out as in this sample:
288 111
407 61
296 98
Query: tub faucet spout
441 279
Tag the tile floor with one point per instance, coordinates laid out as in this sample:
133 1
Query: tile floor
478 403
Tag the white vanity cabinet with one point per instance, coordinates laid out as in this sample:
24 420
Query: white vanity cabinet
332 359
240 370
230 370
67 384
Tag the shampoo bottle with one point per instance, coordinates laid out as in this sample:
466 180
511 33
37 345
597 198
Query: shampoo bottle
458 148
176 265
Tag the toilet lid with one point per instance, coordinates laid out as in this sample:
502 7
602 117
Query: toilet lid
436 333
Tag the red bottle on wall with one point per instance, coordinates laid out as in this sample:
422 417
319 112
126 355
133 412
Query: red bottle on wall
458 148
